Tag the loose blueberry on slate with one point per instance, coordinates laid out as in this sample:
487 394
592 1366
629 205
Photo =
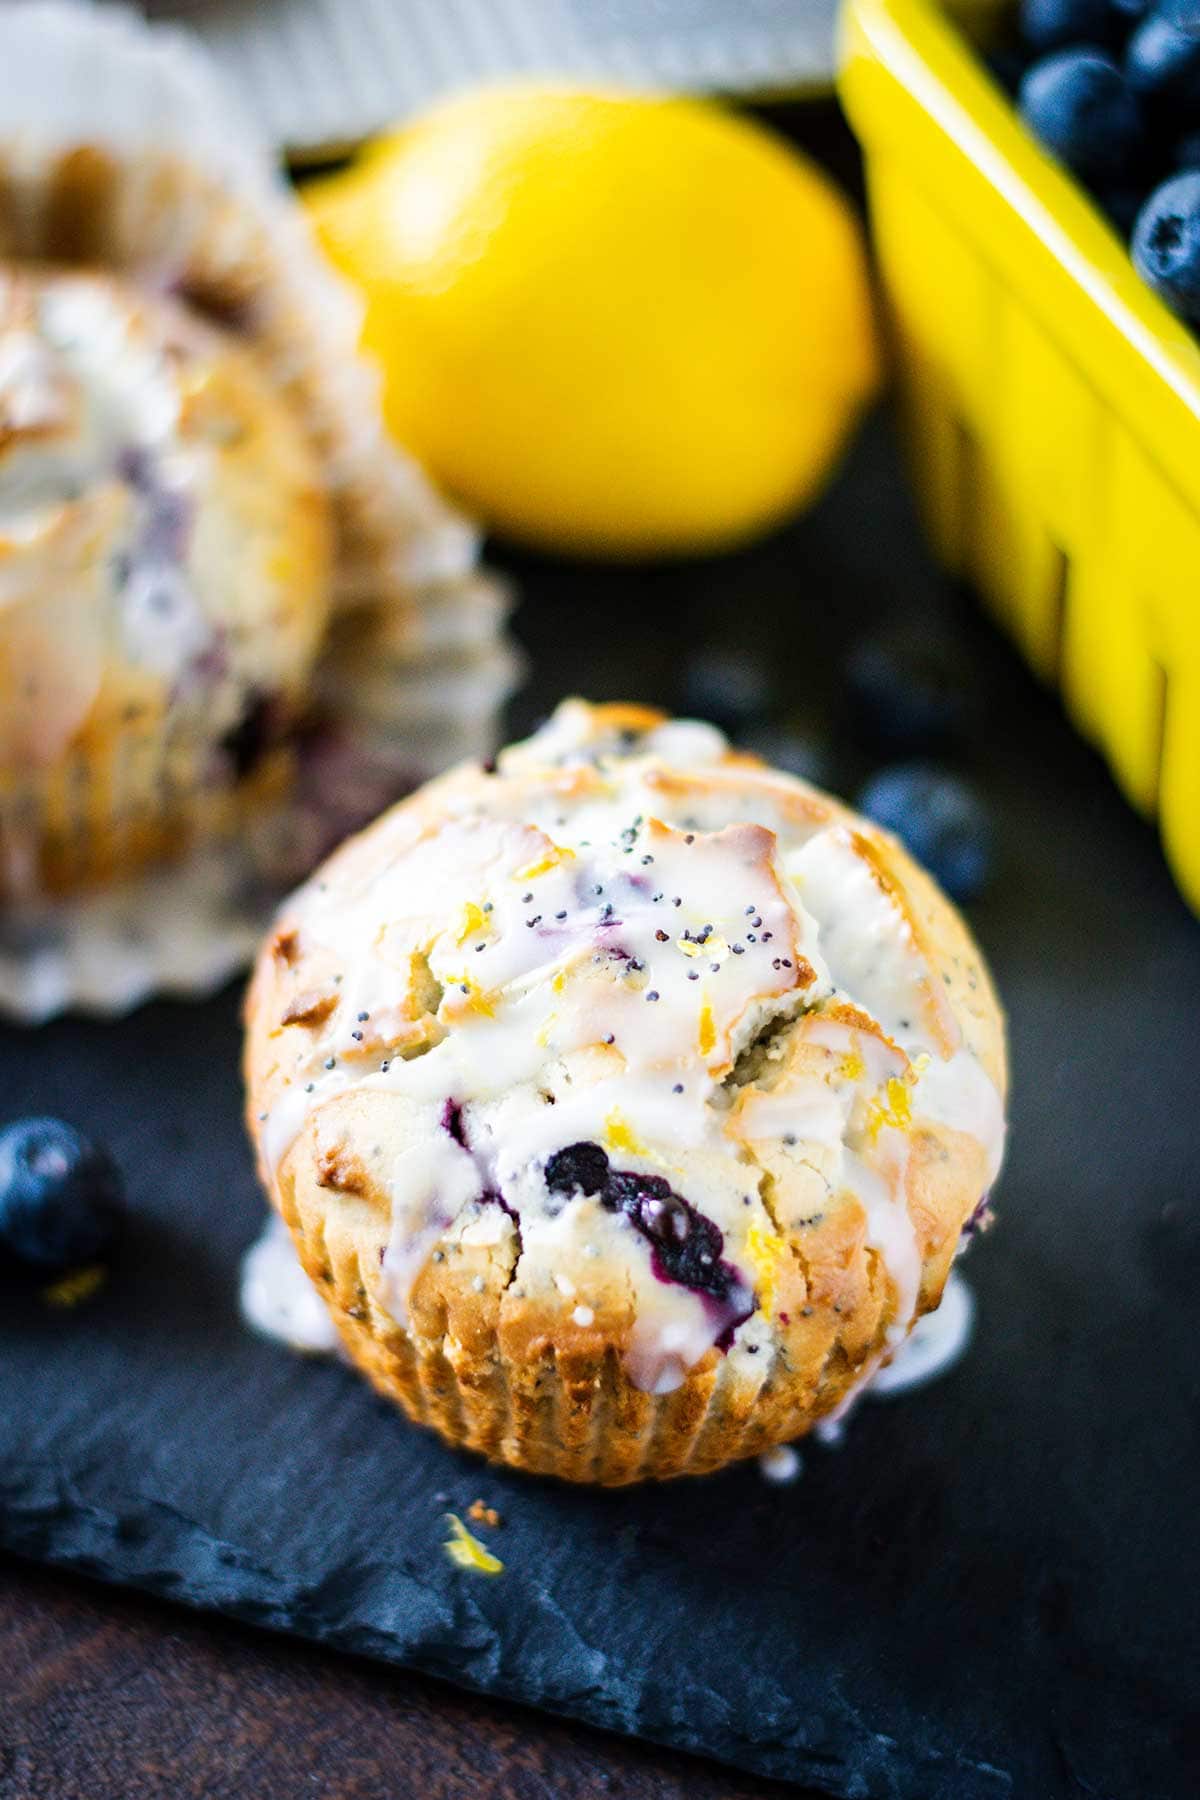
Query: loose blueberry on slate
1162 63
909 690
940 818
730 687
1166 243
1053 24
60 1196
1085 112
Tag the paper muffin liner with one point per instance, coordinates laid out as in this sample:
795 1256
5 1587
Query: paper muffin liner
184 927
120 146
458 616
444 690
188 926
572 1415
117 804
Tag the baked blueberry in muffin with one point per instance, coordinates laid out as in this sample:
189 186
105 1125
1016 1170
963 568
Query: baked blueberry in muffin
627 1101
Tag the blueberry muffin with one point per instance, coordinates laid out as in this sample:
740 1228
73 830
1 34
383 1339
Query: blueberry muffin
164 578
626 1100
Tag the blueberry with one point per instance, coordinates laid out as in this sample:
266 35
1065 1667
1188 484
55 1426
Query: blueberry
1162 63
730 687
1052 24
579 1169
1166 243
1085 112
60 1195
909 689
939 817
687 1246
1183 14
665 1218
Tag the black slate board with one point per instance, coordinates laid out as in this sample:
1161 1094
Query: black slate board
990 1590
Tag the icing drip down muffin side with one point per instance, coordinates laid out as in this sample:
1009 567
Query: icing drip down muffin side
627 1101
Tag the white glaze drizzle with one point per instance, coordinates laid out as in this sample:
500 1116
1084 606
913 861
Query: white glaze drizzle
278 1300
431 1182
934 1345
597 945
781 1466
959 1093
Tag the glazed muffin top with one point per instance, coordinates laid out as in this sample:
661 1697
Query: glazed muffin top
164 545
677 1037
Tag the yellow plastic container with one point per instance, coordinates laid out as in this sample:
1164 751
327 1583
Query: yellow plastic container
1051 401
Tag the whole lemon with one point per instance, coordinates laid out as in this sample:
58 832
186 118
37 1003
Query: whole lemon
608 322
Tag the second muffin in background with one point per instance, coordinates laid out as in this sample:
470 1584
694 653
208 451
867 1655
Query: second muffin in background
165 568
627 1101
197 480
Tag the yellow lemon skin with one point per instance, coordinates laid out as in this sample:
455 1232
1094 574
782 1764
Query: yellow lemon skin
608 323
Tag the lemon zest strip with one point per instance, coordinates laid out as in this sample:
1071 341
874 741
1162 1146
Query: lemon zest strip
465 1549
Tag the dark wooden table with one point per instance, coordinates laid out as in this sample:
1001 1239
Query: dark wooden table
111 1696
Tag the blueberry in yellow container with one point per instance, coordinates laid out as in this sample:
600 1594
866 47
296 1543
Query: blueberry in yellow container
1051 401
